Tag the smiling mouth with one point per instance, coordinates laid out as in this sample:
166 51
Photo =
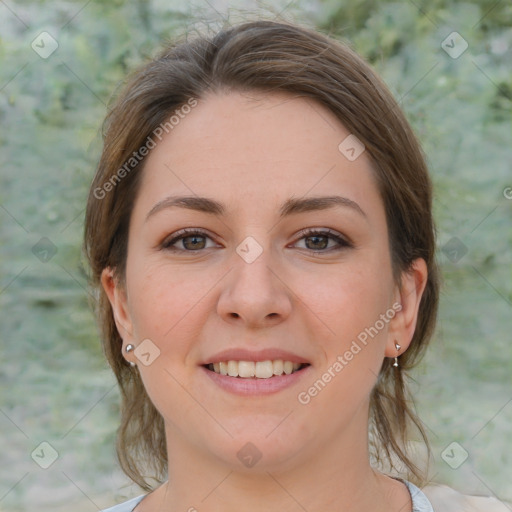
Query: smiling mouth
255 370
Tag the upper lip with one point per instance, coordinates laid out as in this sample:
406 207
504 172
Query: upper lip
243 354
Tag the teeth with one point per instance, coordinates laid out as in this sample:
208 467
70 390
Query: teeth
223 368
246 368
278 367
233 368
263 369
251 369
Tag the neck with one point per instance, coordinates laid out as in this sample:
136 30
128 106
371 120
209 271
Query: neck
330 474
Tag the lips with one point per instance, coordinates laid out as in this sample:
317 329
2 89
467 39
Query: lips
254 386
247 371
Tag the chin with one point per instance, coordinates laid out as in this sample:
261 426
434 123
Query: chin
259 446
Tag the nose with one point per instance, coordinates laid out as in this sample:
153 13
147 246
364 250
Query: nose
255 294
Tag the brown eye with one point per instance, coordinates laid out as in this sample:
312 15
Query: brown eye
318 240
191 240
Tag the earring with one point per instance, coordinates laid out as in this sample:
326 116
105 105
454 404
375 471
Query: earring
130 348
398 347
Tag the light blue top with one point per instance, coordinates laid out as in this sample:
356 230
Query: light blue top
420 502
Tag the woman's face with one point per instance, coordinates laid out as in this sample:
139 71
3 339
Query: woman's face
286 259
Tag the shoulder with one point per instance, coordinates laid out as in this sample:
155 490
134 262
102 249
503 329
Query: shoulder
420 503
446 499
127 506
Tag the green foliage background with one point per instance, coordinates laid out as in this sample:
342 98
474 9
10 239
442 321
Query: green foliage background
55 384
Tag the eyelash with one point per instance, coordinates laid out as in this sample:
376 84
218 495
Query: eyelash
187 232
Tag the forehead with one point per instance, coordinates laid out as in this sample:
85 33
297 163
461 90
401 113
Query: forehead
254 150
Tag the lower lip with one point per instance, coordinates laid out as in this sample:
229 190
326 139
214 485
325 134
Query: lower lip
248 387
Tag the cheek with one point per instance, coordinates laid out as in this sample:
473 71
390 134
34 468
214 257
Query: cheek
165 304
348 299
349 303
350 309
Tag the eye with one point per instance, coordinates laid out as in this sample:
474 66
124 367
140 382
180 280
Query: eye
317 240
191 239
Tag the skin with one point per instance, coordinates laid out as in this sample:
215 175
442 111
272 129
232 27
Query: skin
252 152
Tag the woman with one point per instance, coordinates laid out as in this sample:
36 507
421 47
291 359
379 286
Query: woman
260 232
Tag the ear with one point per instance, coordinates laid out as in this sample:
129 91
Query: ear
118 300
403 324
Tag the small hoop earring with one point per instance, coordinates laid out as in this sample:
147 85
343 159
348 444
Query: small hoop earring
130 348
398 347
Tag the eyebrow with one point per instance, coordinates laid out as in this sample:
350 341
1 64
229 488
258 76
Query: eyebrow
291 206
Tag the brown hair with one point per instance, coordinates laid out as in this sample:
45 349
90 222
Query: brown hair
266 56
